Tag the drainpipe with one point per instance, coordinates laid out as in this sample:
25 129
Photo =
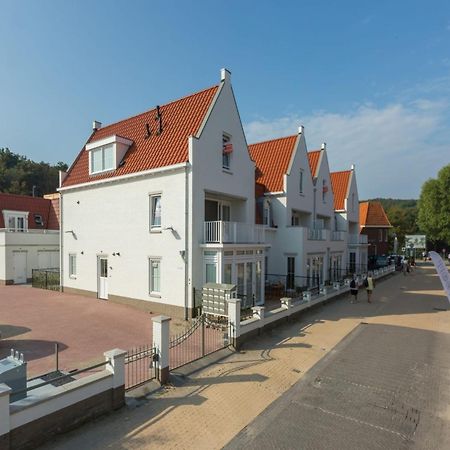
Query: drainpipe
186 247
61 255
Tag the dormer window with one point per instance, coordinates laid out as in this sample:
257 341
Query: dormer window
15 220
102 159
106 154
227 150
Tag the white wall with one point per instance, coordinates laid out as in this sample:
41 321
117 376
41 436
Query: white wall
31 243
208 176
115 217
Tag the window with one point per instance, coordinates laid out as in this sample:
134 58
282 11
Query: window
38 220
300 182
386 236
380 235
155 276
155 212
227 273
15 220
266 213
102 159
227 150
72 265
295 220
353 201
324 191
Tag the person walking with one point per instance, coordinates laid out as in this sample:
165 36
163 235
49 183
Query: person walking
354 290
369 284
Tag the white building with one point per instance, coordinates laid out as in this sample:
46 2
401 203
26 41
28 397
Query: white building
307 242
29 236
346 206
158 204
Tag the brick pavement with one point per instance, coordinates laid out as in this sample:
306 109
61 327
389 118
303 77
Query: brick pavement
210 407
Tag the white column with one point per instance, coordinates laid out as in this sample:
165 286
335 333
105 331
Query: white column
116 365
234 318
4 412
161 340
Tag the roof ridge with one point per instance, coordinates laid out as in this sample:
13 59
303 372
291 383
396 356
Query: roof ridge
341 171
273 140
154 108
23 195
315 151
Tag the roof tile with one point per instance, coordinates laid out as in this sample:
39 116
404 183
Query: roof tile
272 160
313 158
181 118
372 214
339 184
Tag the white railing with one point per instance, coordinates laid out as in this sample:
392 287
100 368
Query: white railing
357 239
337 235
29 231
220 232
316 234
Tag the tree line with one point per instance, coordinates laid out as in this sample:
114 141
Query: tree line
20 175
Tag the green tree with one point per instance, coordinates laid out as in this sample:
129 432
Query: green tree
19 175
434 207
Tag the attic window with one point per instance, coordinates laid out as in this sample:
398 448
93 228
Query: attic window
107 154
102 159
227 150
38 220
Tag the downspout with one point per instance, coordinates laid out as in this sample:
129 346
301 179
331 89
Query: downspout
186 247
61 257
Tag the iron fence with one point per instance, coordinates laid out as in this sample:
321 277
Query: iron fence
205 336
292 286
46 279
140 366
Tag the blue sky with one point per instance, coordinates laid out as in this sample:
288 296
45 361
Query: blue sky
372 79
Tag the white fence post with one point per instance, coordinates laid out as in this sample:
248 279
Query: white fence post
234 319
161 341
258 312
116 365
5 422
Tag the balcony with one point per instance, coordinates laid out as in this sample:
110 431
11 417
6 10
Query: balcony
357 239
317 234
28 231
221 232
337 235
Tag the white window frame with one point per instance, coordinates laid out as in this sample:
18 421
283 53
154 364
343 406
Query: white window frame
226 139
151 286
102 150
153 226
72 265
9 214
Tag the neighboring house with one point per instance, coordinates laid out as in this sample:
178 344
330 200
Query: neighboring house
157 205
346 207
29 236
375 224
295 201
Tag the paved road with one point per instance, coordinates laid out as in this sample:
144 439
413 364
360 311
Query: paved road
383 387
210 407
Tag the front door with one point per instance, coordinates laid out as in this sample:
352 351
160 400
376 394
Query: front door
20 267
103 277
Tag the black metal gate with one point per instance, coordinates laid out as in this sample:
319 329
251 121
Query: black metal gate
140 366
207 335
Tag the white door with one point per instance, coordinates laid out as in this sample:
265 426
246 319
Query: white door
20 267
103 277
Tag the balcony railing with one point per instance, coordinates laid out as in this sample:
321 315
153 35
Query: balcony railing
28 231
220 232
337 235
317 234
357 239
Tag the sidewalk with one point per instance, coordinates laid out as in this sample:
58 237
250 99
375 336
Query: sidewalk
209 408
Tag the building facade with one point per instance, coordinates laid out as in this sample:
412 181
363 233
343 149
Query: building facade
375 224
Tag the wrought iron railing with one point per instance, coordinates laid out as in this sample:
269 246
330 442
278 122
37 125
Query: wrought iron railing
46 279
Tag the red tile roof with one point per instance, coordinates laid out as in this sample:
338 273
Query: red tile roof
181 118
372 214
313 158
33 205
340 184
272 160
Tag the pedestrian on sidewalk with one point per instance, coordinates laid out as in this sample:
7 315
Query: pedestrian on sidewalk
354 290
369 283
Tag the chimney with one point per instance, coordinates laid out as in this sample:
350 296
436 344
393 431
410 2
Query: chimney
225 75
301 129
323 146
96 125
352 167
